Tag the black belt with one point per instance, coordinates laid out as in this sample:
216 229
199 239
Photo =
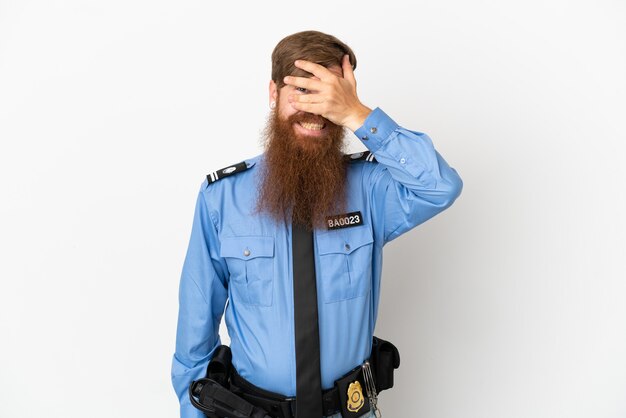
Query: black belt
224 393
281 406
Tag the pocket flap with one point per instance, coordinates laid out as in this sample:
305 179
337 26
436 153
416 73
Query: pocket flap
344 240
247 247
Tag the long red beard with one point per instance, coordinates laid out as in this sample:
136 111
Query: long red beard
304 176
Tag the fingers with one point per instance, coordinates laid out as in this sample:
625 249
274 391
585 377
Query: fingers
306 98
348 74
307 83
314 108
318 70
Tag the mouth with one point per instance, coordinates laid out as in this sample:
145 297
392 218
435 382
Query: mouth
311 128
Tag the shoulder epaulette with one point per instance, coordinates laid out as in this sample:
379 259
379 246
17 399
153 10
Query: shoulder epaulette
360 156
227 171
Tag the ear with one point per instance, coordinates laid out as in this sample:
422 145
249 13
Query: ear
273 91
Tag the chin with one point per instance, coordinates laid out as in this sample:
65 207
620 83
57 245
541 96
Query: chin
308 146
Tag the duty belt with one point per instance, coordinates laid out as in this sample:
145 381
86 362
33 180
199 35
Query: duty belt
354 394
285 407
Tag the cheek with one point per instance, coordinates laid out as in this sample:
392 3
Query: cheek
287 110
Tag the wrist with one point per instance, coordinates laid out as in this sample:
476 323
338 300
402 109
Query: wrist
358 117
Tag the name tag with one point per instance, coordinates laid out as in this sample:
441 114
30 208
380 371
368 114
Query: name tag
344 220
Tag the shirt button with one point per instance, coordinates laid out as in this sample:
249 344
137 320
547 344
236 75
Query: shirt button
402 161
373 129
347 247
364 137
246 252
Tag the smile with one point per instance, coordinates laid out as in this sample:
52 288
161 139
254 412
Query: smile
312 126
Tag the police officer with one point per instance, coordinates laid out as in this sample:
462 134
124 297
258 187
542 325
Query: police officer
290 242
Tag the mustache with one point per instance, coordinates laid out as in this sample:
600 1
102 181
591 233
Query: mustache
309 118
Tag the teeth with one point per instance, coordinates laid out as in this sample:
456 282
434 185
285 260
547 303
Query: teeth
312 126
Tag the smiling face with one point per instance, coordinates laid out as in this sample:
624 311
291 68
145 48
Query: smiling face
308 130
304 170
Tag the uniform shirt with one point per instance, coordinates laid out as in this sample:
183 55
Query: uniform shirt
245 260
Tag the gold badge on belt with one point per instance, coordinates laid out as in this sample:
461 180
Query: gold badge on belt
355 397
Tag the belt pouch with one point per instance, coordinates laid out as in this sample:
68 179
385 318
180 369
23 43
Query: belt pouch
352 394
220 365
386 358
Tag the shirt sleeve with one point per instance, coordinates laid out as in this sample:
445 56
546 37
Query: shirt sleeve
412 182
202 296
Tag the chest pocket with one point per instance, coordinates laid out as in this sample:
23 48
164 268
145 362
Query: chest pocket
250 261
345 262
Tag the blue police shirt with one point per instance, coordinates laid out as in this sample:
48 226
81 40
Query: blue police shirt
245 260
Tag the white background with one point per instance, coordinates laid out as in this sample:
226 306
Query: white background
509 304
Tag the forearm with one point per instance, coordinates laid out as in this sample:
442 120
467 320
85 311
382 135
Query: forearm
411 182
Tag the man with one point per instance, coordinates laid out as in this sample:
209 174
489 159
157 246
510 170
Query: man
293 238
